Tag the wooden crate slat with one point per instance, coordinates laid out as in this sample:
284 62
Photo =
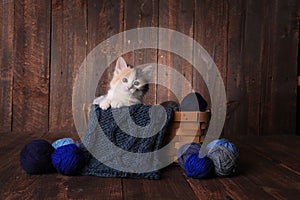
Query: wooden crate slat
192 116
187 132
186 116
185 125
186 139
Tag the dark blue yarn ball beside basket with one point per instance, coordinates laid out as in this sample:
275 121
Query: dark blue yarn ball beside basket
197 167
35 157
68 159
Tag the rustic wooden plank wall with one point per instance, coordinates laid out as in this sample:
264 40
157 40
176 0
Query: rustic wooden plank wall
254 43
68 50
30 109
6 64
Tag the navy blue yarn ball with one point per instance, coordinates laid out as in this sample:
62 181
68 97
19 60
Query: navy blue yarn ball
197 167
68 159
193 102
185 151
171 104
35 157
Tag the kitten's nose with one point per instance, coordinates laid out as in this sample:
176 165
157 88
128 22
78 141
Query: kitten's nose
130 87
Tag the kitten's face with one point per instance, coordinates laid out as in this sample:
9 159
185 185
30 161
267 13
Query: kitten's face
129 79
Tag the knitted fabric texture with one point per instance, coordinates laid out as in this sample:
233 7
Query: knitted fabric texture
107 123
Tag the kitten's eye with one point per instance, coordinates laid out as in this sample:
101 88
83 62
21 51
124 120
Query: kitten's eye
124 80
136 83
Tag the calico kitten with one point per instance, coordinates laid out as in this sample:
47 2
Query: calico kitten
127 86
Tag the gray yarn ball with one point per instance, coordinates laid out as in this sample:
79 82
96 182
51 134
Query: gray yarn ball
225 161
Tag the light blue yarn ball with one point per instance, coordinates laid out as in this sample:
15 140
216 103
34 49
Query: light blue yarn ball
62 142
225 143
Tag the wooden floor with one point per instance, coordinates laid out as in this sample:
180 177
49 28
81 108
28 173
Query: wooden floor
269 168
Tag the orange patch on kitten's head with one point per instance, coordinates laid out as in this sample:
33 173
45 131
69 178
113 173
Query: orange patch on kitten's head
118 77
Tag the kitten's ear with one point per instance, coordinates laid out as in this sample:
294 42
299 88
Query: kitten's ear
147 71
120 65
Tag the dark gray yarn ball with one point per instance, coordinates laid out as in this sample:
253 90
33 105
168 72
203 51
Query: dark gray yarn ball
193 102
225 161
171 104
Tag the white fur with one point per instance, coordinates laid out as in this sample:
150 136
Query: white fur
125 93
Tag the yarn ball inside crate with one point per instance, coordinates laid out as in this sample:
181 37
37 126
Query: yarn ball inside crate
62 142
171 104
224 160
223 142
35 157
68 159
198 167
193 102
185 151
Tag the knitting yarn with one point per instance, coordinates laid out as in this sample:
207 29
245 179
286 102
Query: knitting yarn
171 104
224 160
62 142
193 102
198 167
35 157
185 151
68 159
223 142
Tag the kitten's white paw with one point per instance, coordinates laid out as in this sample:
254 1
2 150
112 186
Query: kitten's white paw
104 104
116 105
98 100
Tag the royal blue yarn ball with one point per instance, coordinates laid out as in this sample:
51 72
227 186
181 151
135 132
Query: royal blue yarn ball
62 142
225 143
68 159
185 151
35 157
197 167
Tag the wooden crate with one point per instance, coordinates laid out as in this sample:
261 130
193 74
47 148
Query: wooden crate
186 127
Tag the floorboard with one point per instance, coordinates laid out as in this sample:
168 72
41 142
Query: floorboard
268 169
171 186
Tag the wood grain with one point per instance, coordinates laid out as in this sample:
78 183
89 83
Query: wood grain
262 171
31 66
179 16
52 186
211 20
280 149
171 186
278 103
225 188
238 46
277 180
253 43
6 64
139 14
105 19
268 169
68 51
210 31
